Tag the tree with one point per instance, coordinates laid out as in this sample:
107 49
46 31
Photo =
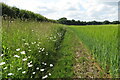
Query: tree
63 20
106 22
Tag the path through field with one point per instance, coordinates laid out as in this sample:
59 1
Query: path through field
86 66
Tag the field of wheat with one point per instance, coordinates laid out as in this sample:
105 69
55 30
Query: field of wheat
102 41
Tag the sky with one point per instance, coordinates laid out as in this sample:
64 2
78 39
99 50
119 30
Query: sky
83 10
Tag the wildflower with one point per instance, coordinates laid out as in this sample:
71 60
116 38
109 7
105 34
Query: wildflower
45 63
49 74
28 56
29 65
32 42
19 69
18 49
9 74
17 56
33 73
24 72
39 51
5 68
50 37
51 65
24 59
44 76
37 68
26 43
2 55
38 45
47 54
23 52
42 62
40 48
30 61
2 63
43 49
42 69
29 50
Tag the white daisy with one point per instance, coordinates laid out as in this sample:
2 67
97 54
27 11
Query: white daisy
18 49
2 55
33 73
24 59
29 65
23 52
30 61
49 74
10 74
17 56
45 63
19 69
29 50
26 43
28 56
44 76
37 68
24 72
5 68
42 69
43 49
2 63
51 65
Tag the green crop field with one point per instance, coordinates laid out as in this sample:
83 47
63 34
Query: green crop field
102 41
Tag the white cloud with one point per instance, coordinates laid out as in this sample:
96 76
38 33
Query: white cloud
72 9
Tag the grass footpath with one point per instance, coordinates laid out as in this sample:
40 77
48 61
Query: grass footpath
64 67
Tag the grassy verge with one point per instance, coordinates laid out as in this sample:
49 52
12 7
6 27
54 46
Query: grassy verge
30 49
64 67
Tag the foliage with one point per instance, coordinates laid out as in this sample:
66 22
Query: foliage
15 13
32 52
73 22
102 41
65 65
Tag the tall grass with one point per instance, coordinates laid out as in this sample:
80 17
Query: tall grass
30 49
102 40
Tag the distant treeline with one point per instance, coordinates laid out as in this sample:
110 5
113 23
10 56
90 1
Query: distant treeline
14 13
73 22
